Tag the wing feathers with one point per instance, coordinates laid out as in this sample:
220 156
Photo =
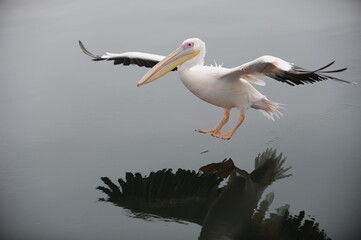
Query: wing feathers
318 70
298 75
282 71
129 58
95 57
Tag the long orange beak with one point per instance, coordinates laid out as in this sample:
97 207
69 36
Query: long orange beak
172 61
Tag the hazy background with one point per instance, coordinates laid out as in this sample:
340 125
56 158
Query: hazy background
66 121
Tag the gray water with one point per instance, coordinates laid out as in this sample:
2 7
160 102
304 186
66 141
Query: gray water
66 121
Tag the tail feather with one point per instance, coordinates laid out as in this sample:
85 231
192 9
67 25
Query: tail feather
270 109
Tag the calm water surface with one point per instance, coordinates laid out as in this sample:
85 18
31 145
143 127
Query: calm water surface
66 121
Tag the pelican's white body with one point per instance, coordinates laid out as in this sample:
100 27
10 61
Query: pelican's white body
205 82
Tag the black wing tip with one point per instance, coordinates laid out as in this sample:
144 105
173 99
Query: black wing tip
330 71
331 63
334 71
300 76
81 45
95 57
321 74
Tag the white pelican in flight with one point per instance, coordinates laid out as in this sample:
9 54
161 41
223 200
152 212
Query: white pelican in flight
223 87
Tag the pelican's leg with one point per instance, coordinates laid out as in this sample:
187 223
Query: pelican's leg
228 135
217 128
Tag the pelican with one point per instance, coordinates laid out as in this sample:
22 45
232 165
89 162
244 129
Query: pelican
226 88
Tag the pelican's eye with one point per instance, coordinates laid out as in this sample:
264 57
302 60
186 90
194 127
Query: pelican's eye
188 45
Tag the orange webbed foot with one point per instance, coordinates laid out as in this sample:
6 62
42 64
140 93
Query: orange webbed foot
213 131
225 136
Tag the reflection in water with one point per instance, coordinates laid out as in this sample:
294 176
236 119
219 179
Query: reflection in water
231 211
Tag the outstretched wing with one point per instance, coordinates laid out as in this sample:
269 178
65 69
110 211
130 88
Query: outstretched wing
181 196
282 71
128 58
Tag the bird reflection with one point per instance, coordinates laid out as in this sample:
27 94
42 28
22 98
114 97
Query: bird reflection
233 210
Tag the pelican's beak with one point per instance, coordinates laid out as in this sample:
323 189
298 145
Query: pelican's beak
172 61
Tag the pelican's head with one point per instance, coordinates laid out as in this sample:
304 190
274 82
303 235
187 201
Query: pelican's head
191 52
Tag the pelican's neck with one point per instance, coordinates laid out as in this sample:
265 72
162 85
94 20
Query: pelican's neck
190 77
